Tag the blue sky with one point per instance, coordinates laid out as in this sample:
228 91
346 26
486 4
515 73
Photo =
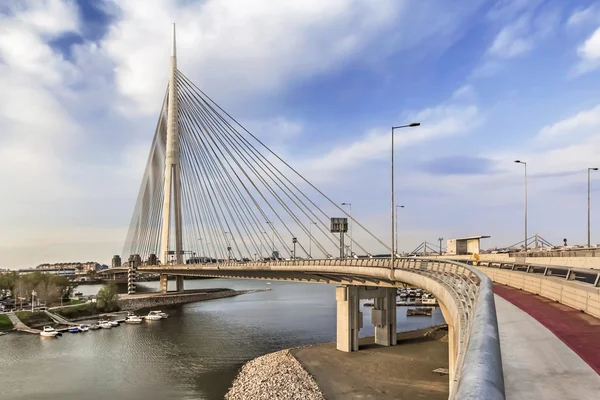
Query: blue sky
491 81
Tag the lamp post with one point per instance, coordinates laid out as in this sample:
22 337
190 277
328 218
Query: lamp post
440 240
414 124
397 207
589 208
228 245
350 205
294 241
525 165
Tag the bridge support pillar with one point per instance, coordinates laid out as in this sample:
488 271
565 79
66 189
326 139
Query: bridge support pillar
164 282
179 283
452 345
383 317
349 318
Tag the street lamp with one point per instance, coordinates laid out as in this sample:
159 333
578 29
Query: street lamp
589 207
525 165
414 124
350 205
228 245
397 207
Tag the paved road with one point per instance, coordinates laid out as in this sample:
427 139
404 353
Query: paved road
537 364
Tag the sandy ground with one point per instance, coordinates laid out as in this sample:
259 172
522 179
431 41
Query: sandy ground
376 372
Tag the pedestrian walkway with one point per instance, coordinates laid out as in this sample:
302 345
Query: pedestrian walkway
537 364
20 326
578 330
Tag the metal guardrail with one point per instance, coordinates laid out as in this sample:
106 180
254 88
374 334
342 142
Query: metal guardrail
478 373
585 276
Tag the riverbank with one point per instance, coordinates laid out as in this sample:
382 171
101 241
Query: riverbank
83 312
152 300
321 371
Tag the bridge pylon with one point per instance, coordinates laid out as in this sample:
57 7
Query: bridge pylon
172 174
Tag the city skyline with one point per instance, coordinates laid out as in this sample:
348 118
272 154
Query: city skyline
86 83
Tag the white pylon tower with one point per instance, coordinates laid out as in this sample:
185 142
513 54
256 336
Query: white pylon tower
172 182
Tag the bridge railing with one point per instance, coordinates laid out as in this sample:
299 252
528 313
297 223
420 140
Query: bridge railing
478 369
585 276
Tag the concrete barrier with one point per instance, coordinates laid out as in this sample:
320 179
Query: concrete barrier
578 295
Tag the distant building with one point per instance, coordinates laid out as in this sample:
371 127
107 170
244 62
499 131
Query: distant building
79 267
466 245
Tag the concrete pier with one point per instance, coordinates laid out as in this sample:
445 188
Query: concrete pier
349 317
179 283
164 283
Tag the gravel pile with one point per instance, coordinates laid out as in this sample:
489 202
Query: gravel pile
274 376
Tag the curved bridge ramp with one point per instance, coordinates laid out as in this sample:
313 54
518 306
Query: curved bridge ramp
20 326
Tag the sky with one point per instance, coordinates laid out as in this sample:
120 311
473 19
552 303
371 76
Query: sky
491 81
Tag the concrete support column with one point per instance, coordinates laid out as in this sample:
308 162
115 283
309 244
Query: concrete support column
349 318
179 283
452 344
383 317
164 280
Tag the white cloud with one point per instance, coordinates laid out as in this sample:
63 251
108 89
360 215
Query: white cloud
574 128
589 54
521 36
582 16
457 116
238 46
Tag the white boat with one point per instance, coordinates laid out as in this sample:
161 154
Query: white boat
133 319
113 323
104 324
84 327
154 316
162 314
48 331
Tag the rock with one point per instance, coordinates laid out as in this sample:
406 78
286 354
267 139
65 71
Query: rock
277 376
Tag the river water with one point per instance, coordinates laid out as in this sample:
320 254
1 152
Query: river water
194 354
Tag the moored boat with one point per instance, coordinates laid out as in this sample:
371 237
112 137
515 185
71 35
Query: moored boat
73 329
48 331
84 327
94 327
113 323
154 316
104 324
133 319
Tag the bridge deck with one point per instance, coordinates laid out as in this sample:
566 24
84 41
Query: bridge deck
537 364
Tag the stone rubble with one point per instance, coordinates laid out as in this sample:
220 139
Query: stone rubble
275 376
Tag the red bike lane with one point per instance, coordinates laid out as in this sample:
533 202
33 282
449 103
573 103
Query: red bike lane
579 331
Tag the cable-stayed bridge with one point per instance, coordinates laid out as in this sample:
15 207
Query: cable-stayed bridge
213 191
216 201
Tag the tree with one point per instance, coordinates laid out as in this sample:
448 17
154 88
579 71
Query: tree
64 286
107 297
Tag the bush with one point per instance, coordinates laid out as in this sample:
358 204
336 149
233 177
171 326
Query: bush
33 318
